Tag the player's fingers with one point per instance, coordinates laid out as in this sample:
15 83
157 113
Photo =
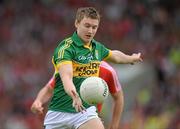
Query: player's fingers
140 57
36 110
33 110
76 108
80 109
74 104
83 108
40 110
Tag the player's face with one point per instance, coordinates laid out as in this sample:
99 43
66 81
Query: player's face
86 28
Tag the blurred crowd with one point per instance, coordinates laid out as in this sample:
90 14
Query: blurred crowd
30 30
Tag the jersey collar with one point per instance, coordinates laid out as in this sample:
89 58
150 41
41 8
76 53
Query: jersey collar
78 41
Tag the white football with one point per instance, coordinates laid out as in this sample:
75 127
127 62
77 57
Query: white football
94 90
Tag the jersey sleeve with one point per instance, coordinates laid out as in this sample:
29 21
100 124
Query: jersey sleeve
110 76
63 54
105 52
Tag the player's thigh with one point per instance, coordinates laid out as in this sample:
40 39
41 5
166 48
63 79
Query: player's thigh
94 123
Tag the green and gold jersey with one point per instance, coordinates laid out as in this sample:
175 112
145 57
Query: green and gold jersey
85 62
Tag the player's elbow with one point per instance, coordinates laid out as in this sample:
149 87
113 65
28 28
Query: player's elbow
118 96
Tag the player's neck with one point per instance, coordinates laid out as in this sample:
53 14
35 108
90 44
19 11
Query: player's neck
88 45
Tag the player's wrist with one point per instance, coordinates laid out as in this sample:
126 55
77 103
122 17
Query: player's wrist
38 101
74 94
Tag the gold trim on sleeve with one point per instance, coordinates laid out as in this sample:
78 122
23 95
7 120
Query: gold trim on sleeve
110 53
63 63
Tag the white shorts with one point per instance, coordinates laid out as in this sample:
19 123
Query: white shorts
64 120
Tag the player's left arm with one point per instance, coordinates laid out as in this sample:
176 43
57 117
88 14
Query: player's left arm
118 100
120 57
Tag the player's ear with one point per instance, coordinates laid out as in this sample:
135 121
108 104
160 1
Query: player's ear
76 23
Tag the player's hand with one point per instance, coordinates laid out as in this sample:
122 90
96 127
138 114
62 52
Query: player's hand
136 58
37 107
77 103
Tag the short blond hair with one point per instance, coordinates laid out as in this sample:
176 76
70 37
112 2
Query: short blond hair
89 12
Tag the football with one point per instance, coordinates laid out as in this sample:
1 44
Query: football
94 90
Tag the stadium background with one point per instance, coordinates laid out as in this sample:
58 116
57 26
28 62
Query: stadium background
29 31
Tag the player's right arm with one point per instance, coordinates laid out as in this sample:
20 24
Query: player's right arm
42 98
62 61
66 73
